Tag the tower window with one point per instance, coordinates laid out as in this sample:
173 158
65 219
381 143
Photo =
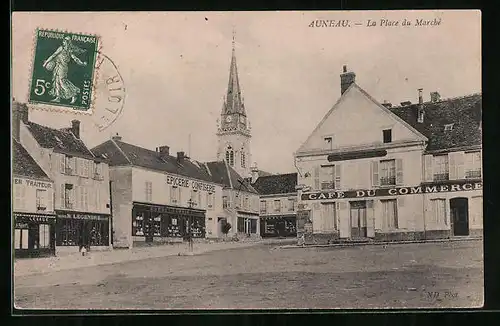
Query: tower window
243 158
230 156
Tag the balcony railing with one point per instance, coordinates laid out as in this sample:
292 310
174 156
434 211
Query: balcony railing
441 176
263 210
473 174
325 185
41 208
387 181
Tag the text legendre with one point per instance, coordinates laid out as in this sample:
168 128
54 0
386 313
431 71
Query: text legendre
391 191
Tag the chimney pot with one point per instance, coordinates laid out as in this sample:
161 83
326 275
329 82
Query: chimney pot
344 69
75 128
180 156
346 79
116 137
420 97
435 97
163 150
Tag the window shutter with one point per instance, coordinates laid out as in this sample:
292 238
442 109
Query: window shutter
375 174
62 197
401 218
399 171
343 219
452 166
62 163
338 175
459 165
428 172
370 219
73 165
316 178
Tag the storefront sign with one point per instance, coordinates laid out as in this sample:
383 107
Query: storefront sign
83 216
394 191
170 210
26 218
187 183
32 183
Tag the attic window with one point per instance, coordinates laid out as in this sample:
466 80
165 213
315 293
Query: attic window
448 127
328 141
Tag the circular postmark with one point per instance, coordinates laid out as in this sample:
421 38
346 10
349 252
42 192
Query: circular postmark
109 91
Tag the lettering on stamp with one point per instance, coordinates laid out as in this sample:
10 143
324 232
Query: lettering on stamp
63 69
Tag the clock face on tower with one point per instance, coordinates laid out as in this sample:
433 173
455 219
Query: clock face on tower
228 118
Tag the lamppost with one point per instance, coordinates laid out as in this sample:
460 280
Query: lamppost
191 204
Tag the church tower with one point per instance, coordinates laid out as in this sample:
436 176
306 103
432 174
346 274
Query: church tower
233 128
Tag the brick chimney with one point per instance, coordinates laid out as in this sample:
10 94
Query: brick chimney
75 128
163 151
116 137
346 79
180 157
435 97
19 113
420 109
254 172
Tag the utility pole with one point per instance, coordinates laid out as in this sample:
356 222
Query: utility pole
191 204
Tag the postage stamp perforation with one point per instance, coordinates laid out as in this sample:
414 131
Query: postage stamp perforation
66 108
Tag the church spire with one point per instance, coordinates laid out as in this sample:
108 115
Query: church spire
234 102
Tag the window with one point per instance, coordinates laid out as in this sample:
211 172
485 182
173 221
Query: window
291 204
247 225
157 225
99 232
245 203
390 214
21 238
173 194
388 172
68 193
277 205
327 177
41 199
210 200
441 168
86 168
225 202
138 224
20 196
263 206
387 135
230 156
439 211
149 191
448 127
328 217
97 173
473 165
243 159
328 142
194 198
237 201
44 236
69 164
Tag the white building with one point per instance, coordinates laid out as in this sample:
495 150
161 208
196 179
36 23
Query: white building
373 171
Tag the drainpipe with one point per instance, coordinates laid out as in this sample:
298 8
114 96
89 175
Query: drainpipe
111 213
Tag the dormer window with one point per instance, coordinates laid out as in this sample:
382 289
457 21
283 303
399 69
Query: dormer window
448 127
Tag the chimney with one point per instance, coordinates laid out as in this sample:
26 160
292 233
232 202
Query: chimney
387 104
405 103
116 137
346 79
19 113
435 97
420 110
75 128
164 151
180 157
254 172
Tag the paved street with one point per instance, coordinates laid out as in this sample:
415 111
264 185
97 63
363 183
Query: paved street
446 274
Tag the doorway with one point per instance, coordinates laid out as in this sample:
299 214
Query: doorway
459 209
358 219
221 222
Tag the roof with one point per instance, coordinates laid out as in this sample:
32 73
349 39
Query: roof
276 184
24 165
463 112
60 140
234 101
117 153
226 175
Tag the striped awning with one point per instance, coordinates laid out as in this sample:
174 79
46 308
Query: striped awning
39 218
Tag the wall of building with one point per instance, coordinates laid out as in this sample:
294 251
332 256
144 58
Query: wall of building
121 192
286 206
25 195
238 143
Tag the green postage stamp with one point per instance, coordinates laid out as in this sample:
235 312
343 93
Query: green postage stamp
63 69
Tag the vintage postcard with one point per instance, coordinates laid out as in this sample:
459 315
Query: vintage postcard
247 160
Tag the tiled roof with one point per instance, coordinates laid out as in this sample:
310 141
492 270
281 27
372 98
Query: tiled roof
117 152
60 140
263 173
463 112
276 184
23 163
226 175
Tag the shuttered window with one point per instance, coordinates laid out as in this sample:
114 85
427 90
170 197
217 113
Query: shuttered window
438 208
390 214
473 165
441 168
329 217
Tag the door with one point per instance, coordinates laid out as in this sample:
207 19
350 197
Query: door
344 220
459 209
221 221
280 228
358 219
148 227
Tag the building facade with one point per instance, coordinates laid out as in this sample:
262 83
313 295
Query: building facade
159 198
233 128
399 173
277 204
33 206
81 182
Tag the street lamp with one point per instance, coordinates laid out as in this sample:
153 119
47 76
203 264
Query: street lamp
191 204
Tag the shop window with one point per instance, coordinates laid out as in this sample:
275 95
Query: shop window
198 227
277 205
138 225
21 238
390 214
291 204
174 229
387 172
67 232
263 206
44 236
269 227
438 208
157 225
387 135
473 163
253 225
441 168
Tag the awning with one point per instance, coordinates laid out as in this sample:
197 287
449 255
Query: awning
38 218
278 217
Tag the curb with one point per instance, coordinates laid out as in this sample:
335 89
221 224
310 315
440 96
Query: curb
377 243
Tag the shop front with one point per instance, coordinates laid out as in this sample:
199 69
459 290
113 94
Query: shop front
163 223
34 235
75 230
248 224
278 226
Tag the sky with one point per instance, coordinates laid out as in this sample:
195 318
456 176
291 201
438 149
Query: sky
175 68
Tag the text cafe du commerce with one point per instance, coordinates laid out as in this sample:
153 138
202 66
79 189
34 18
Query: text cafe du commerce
170 223
34 218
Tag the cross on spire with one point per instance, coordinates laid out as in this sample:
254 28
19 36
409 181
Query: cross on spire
234 35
